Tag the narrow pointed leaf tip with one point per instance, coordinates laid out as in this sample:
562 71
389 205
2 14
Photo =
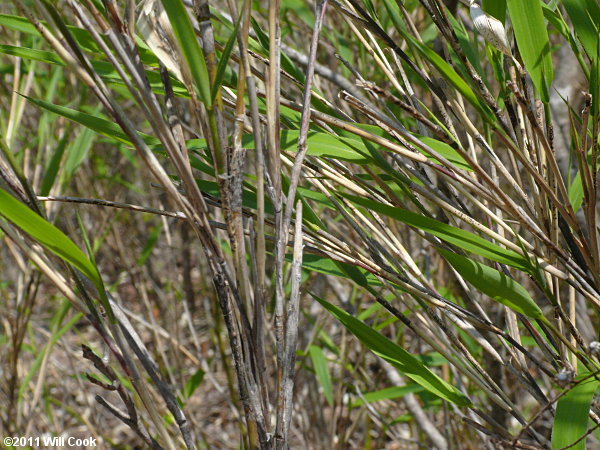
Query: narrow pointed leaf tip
398 357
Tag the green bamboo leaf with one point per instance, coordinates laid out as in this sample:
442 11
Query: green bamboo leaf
95 123
461 238
32 54
532 38
390 393
48 236
104 69
397 356
576 192
353 273
322 264
494 284
327 145
585 16
86 240
77 151
466 44
495 8
188 43
572 414
18 23
192 384
83 38
595 78
322 372
432 359
444 150
301 9
286 63
318 144
224 61
372 309
448 72
394 13
53 166
555 18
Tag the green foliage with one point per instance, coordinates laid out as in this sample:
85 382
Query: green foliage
224 61
495 284
455 236
585 16
534 45
391 393
95 123
192 384
190 48
406 363
572 413
50 237
322 372
421 157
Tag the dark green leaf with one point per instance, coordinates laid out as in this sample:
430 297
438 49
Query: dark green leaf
495 8
95 123
494 284
446 151
390 393
456 236
327 145
224 61
532 38
188 43
585 16
398 357
192 384
53 166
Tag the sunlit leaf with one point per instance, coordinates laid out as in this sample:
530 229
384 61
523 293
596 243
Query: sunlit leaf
572 414
48 235
494 284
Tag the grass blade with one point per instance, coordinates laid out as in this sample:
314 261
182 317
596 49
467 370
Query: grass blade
398 357
495 8
322 371
224 61
495 284
456 236
49 236
188 43
390 393
571 419
585 16
532 38
95 123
